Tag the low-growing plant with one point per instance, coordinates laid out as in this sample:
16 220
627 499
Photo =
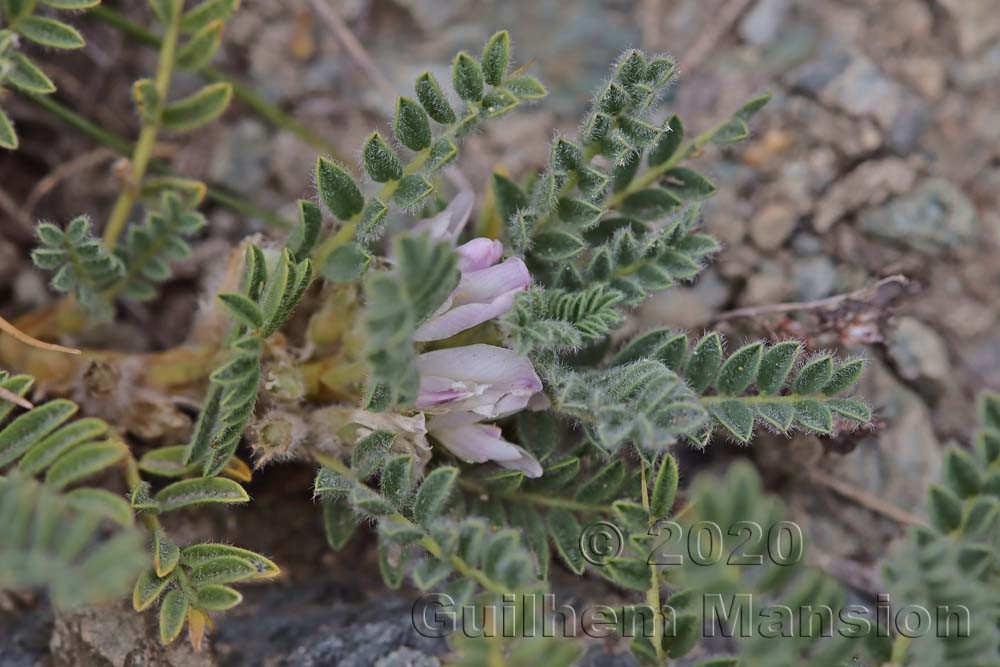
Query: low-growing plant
472 398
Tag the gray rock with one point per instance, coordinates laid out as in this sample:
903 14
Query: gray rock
896 464
870 183
772 225
812 77
116 636
314 624
861 89
977 22
934 218
764 21
241 157
814 277
24 634
971 73
919 355
685 307
407 657
911 119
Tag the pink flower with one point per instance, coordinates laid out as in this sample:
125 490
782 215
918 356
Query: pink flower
449 223
486 290
463 435
489 381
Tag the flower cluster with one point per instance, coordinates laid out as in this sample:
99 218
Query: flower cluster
462 387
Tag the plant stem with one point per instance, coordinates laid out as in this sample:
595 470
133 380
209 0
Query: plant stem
653 592
266 110
427 541
125 147
346 233
649 176
529 498
150 127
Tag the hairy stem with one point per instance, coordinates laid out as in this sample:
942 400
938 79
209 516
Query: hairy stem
528 498
427 541
150 128
125 147
653 592
266 110
649 176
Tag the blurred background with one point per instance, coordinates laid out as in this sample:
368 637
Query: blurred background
878 155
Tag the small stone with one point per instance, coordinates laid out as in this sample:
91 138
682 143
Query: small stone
972 73
769 148
768 284
10 264
895 463
31 290
870 183
772 225
909 123
861 89
934 218
812 77
116 636
927 75
977 22
807 244
686 307
919 355
764 21
814 278
241 157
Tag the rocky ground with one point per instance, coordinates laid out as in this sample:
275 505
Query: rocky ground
879 155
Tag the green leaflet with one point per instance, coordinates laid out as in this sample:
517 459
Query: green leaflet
198 108
337 189
467 78
433 493
86 563
188 492
28 429
411 125
49 32
661 500
380 161
201 47
565 531
173 612
83 461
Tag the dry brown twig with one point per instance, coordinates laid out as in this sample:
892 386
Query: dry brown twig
61 173
353 47
709 39
30 341
864 498
860 295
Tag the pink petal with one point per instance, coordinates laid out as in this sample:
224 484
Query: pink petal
477 443
449 223
459 318
478 254
489 283
490 381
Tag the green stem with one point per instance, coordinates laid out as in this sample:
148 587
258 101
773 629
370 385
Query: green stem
649 176
760 398
429 543
125 147
900 648
346 233
529 498
78 122
150 127
653 592
266 110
